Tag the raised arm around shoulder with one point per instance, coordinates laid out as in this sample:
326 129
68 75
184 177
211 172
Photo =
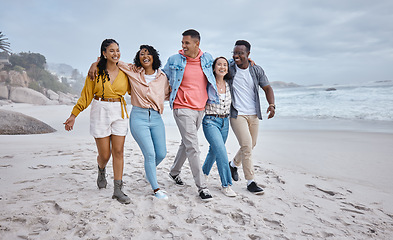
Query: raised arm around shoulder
134 68
124 65
93 71
251 62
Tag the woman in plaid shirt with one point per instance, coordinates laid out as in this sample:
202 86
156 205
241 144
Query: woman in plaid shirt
216 126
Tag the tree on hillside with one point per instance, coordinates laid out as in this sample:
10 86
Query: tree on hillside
28 60
4 44
45 79
34 64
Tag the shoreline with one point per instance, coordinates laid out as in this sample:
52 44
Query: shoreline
291 124
278 123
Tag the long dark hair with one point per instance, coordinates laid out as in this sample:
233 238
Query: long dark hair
102 71
228 75
156 57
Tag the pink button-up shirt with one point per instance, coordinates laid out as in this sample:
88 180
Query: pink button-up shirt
147 95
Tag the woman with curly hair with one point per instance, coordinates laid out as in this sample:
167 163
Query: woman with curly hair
149 89
108 116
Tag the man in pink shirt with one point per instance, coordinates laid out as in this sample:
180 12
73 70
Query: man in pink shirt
190 74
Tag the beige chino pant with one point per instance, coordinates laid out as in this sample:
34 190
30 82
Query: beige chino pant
189 121
245 128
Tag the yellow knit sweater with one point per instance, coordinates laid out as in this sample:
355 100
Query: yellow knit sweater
116 90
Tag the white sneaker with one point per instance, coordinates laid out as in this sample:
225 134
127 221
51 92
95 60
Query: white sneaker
227 191
160 194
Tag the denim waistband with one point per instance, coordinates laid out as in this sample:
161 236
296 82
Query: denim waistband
143 109
218 115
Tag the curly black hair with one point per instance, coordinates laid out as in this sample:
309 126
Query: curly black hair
228 75
153 52
102 63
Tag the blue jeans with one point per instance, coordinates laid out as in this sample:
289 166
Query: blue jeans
148 130
216 133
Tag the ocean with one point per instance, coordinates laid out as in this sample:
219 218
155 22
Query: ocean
354 107
368 101
366 107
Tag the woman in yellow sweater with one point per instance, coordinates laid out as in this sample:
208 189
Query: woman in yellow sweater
149 89
108 116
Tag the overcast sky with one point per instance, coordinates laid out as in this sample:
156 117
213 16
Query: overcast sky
303 41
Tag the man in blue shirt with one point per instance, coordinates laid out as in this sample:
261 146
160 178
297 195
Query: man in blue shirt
190 73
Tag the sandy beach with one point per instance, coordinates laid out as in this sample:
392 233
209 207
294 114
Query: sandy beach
320 183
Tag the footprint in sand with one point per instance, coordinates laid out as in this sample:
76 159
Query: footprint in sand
209 232
240 217
272 174
248 201
275 224
83 167
5 166
40 166
331 193
357 206
28 181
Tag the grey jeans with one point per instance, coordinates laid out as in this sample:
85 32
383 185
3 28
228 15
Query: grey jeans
189 121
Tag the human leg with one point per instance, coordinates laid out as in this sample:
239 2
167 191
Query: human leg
181 155
209 161
142 128
224 163
118 166
104 153
157 131
240 127
158 136
216 132
210 157
118 156
248 164
188 122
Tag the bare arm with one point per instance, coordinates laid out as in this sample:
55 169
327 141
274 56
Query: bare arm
270 99
93 70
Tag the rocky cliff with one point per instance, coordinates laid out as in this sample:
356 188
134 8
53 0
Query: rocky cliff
14 88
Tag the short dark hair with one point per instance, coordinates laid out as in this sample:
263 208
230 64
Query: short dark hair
156 57
192 33
228 75
244 43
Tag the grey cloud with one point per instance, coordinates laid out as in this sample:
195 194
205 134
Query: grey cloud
292 40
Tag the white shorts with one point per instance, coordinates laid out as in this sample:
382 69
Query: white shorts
106 120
